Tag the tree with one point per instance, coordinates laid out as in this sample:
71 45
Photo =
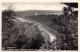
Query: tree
70 7
74 5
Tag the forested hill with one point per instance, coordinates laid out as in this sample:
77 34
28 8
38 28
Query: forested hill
37 12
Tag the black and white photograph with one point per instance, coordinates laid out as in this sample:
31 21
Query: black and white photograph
40 26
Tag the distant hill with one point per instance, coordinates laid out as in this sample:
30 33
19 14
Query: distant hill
37 12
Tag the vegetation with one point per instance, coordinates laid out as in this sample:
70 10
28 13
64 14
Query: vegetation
24 35
66 26
67 38
20 35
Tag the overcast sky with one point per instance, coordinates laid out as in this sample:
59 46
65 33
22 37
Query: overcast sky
34 6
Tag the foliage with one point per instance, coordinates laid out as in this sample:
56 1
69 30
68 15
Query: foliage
75 5
23 35
20 35
7 23
67 32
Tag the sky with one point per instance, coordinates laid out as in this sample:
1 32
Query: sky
34 6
